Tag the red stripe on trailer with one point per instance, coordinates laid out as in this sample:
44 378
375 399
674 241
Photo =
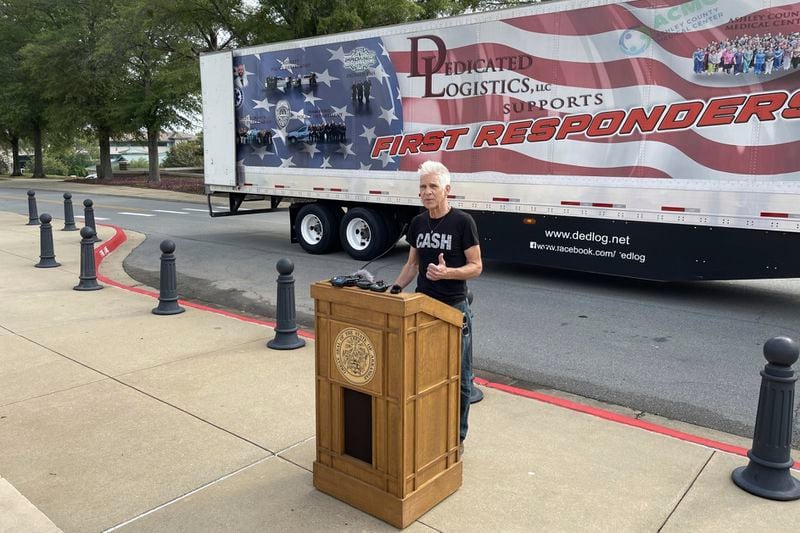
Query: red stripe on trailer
279 186
601 204
570 203
248 184
335 189
673 208
376 192
451 196
500 199
774 215
319 188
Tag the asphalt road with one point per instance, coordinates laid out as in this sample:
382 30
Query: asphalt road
686 351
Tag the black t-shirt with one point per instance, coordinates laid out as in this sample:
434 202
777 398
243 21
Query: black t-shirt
450 235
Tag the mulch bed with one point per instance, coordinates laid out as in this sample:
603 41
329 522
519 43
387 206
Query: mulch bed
168 182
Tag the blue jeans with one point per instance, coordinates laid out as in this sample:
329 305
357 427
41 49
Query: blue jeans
466 366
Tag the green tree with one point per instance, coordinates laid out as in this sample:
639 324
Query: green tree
22 108
161 78
81 80
278 20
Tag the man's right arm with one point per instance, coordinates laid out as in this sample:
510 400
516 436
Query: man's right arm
410 269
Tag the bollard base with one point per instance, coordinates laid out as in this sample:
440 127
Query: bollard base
47 263
769 483
70 228
168 308
88 286
33 223
286 341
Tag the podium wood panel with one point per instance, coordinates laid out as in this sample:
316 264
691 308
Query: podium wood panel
403 351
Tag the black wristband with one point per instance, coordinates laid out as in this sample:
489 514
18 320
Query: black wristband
396 289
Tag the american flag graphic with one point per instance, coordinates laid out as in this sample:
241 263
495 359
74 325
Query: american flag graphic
267 102
549 63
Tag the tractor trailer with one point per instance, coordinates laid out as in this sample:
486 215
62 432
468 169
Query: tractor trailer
654 139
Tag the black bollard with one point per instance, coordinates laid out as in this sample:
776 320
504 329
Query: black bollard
767 475
69 216
47 256
168 285
88 218
88 277
286 328
33 212
475 394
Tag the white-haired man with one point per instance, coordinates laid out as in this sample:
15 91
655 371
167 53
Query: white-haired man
445 252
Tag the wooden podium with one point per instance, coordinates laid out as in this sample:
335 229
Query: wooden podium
388 390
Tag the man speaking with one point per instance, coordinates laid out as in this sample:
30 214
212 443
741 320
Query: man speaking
445 252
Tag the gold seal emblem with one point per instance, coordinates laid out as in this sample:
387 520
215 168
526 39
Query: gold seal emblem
355 356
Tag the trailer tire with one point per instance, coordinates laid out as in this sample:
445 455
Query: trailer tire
317 228
363 233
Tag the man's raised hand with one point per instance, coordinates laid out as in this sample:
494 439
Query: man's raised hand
437 271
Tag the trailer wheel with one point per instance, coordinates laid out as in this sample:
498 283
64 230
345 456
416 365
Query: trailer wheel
317 227
363 233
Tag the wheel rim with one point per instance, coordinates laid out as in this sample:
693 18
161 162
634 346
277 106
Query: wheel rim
358 234
311 229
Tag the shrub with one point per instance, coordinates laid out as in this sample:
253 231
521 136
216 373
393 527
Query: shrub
139 162
187 154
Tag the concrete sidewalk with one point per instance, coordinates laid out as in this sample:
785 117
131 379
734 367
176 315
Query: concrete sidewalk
114 418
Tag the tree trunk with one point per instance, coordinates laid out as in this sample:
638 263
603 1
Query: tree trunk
15 163
104 138
152 155
38 160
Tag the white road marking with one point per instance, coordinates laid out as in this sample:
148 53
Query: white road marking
96 218
193 209
170 212
135 214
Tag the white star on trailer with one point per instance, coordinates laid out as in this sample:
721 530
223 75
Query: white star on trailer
310 149
379 74
369 133
388 115
287 65
336 54
385 158
299 115
345 149
261 152
341 111
309 98
263 104
364 167
285 163
326 163
281 133
325 77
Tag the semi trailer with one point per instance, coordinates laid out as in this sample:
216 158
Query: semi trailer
654 139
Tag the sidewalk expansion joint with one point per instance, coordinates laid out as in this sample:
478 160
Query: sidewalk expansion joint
694 480
293 446
429 526
190 493
140 391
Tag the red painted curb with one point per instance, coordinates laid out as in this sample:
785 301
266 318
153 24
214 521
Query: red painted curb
119 237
